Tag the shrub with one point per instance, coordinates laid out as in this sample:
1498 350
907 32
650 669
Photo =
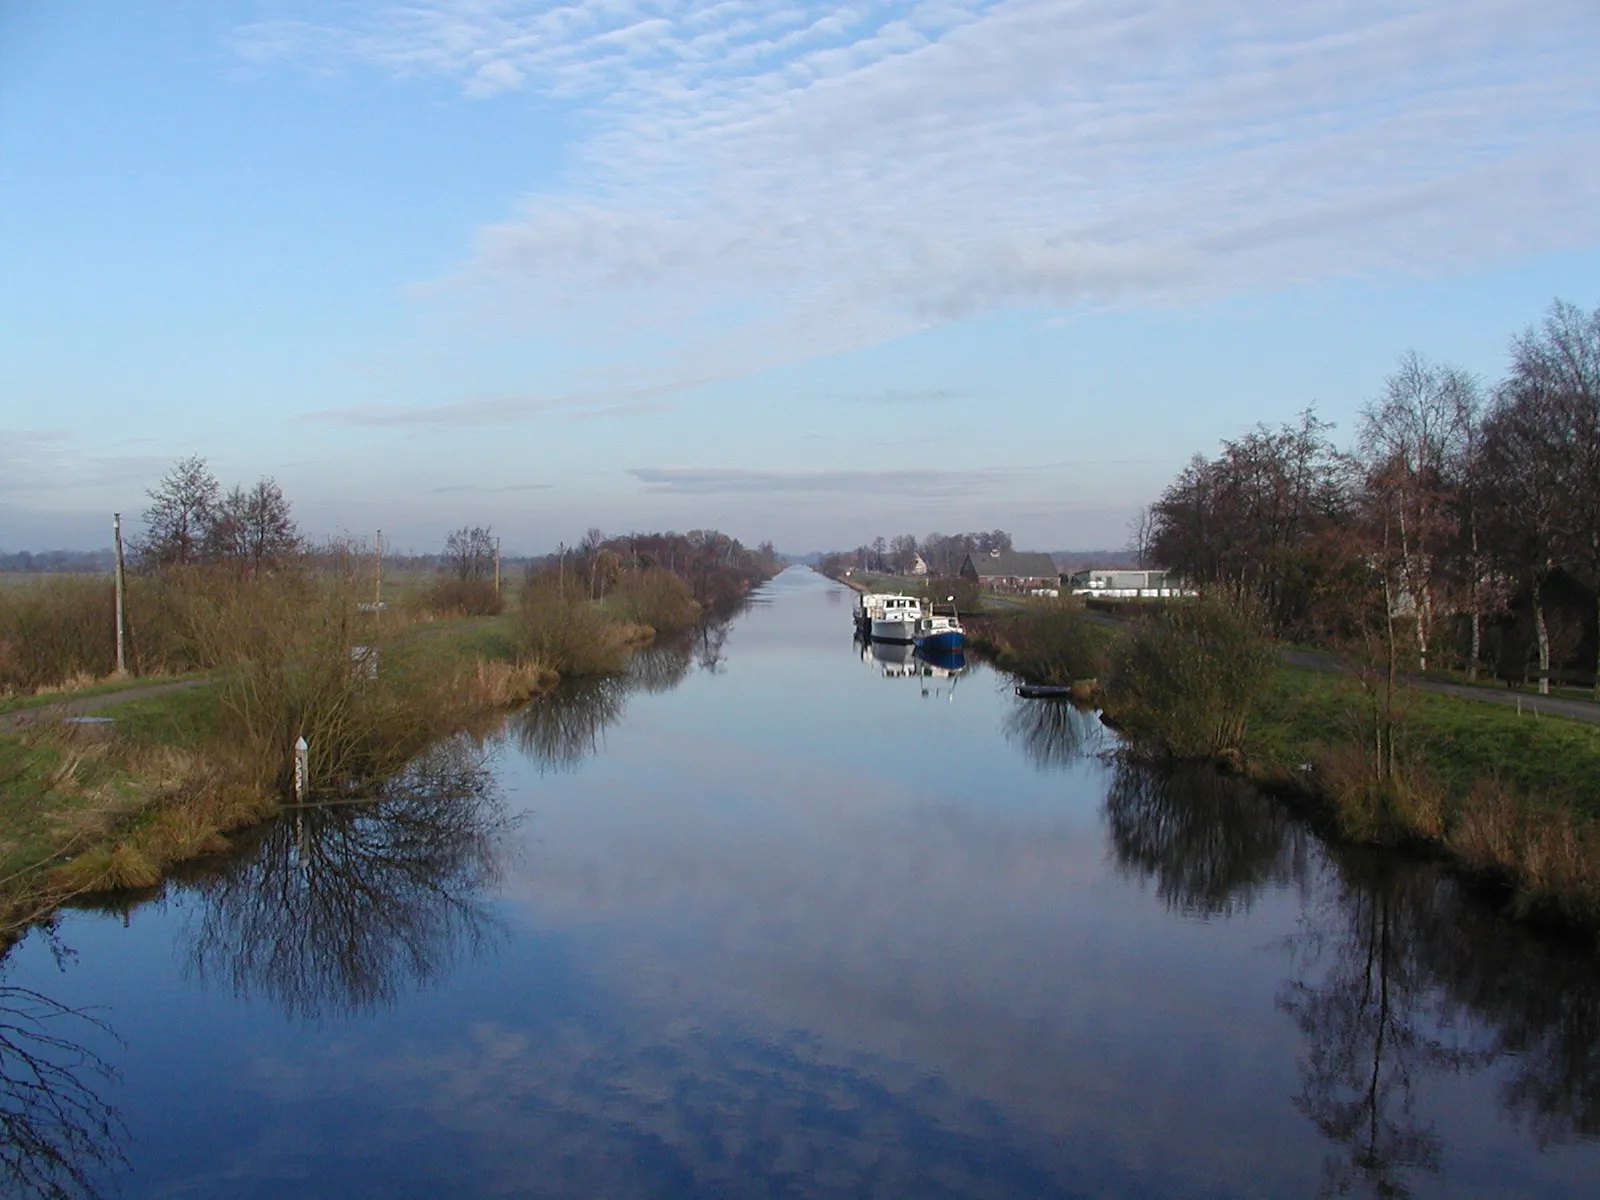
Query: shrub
659 599
568 635
463 597
56 630
298 660
1052 644
1182 683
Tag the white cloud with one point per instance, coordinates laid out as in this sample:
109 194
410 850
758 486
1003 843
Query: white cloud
772 179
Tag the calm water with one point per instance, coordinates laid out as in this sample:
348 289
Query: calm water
765 919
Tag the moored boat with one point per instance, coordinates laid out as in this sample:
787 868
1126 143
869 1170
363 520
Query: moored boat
940 630
890 618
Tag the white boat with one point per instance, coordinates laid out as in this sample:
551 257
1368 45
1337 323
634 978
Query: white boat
891 618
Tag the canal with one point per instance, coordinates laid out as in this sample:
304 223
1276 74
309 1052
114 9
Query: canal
768 919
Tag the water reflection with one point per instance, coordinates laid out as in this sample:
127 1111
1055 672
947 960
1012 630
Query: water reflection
1211 843
1400 979
663 665
560 729
56 1131
1052 733
338 906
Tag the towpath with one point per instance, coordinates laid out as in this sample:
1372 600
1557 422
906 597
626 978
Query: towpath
77 706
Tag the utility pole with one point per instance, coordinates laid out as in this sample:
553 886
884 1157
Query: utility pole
497 566
377 573
122 587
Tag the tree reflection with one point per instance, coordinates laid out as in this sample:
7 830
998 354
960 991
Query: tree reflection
1052 733
1211 842
1399 975
1540 996
662 665
561 728
340 905
1376 1022
710 643
56 1133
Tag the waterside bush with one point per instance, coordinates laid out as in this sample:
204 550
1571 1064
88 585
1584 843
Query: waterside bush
1182 683
658 598
1050 643
568 635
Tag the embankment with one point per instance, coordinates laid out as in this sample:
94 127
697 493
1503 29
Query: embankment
1510 798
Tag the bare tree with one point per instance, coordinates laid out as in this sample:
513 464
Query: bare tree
182 510
1412 437
254 528
1556 370
903 552
1522 464
469 553
1141 536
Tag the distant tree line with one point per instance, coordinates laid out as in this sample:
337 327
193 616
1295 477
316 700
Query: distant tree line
64 562
1460 507
719 569
942 553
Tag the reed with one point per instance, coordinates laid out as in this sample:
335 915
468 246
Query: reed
56 630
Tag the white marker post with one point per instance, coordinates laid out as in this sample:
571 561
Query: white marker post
302 769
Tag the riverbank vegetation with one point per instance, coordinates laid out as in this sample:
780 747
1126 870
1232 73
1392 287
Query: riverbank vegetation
1509 797
1459 532
277 640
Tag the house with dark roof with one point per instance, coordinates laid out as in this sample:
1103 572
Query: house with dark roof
1011 570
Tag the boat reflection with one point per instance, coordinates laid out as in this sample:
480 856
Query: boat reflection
902 660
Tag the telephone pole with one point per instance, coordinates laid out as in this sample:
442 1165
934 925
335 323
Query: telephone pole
497 566
377 573
122 588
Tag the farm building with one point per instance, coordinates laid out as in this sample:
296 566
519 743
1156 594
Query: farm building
1011 570
1122 583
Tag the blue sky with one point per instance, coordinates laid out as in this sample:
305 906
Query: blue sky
806 271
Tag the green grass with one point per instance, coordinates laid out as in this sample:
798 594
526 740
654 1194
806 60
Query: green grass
48 789
468 637
185 718
1456 741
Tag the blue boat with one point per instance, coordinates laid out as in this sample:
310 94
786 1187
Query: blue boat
939 630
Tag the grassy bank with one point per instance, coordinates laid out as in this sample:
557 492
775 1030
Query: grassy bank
92 807
1512 799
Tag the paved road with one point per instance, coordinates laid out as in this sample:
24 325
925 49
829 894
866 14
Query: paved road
80 705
